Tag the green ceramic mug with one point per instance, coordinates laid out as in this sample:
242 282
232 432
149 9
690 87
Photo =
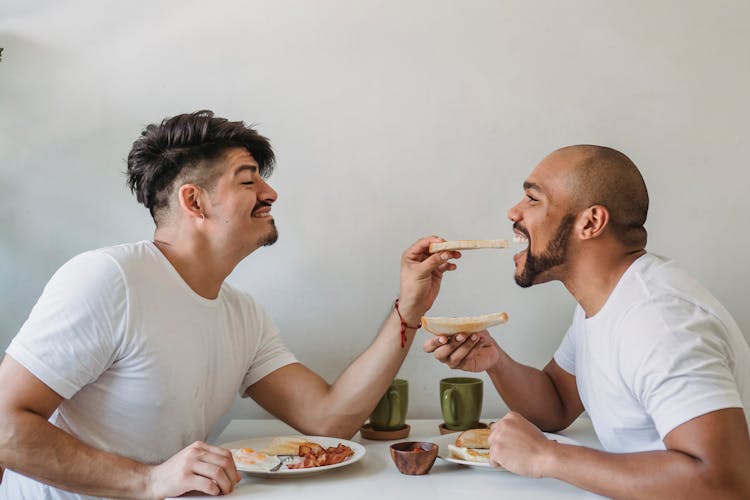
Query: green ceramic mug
390 413
461 402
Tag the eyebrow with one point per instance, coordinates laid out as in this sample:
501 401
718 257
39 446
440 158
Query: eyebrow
532 185
252 168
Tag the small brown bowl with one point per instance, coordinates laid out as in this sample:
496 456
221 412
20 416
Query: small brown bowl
414 457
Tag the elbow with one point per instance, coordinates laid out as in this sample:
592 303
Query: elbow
339 426
727 482
332 428
557 425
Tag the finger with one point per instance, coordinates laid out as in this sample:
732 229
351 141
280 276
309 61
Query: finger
434 261
215 449
434 342
420 249
448 266
214 473
443 353
459 355
201 484
223 460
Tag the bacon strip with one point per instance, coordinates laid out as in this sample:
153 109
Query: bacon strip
313 455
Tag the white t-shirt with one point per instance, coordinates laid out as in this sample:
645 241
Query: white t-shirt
660 352
146 365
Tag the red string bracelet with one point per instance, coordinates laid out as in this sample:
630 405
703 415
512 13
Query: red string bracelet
404 326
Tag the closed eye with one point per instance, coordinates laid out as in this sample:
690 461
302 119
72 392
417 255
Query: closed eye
248 182
531 198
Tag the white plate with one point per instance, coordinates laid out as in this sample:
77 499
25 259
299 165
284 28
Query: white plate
446 439
325 442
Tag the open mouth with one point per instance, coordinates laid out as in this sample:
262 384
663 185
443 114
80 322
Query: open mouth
520 239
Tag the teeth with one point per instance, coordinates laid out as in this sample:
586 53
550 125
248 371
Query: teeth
519 238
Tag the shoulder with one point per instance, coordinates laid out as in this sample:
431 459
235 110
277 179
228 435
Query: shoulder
88 268
668 333
241 303
658 296
665 311
102 276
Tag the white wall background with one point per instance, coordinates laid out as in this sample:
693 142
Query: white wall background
391 120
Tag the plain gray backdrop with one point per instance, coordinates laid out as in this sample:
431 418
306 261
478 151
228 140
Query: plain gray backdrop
391 120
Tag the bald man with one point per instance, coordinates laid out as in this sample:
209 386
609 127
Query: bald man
659 365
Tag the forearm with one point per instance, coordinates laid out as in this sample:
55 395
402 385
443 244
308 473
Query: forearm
356 392
530 392
659 474
33 447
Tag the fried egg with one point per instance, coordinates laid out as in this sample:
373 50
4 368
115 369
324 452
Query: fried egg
251 460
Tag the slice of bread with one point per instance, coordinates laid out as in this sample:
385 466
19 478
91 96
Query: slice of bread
285 445
470 454
440 325
474 438
467 245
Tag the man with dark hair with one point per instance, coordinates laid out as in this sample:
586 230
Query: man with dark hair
134 352
659 365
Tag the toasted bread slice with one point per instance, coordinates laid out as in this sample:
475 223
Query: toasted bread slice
467 245
470 454
285 445
474 438
440 325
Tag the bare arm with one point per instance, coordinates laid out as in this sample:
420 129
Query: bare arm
548 398
300 397
31 446
706 457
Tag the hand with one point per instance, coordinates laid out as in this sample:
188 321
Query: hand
421 273
475 352
199 467
517 445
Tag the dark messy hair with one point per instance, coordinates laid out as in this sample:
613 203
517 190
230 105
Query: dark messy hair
183 149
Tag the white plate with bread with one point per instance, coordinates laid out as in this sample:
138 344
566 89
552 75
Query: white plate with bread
285 456
470 447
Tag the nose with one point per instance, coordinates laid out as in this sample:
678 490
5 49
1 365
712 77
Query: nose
514 212
267 193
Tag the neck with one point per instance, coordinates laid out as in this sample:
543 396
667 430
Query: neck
595 275
201 266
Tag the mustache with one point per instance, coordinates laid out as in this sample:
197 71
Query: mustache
260 204
521 229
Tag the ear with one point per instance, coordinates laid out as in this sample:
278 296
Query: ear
191 198
592 222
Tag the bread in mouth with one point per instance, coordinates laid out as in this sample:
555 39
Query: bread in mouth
467 245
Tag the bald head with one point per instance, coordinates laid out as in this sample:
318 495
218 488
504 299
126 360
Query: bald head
605 176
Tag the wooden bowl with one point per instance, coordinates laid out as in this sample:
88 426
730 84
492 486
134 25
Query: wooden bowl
414 457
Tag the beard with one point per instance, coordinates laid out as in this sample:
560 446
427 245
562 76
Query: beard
270 238
554 255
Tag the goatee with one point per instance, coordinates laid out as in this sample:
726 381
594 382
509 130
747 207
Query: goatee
271 237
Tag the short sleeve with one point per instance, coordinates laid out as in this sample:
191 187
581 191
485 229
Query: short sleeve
71 335
565 356
681 364
271 354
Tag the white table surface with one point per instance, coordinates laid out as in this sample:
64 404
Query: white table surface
376 477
